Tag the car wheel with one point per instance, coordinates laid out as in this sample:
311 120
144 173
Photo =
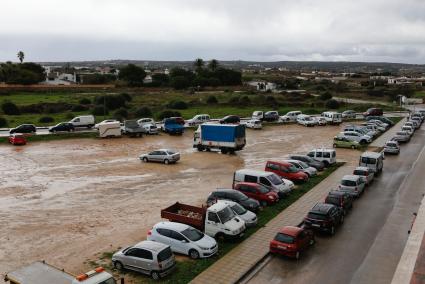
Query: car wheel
362 142
332 230
200 148
118 265
223 150
145 160
297 255
194 254
326 163
166 161
155 275
334 145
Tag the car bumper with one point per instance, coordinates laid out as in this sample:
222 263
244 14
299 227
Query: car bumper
283 251
210 252
392 151
251 223
167 271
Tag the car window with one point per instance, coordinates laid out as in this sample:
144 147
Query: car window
145 254
164 232
164 254
177 236
347 182
238 209
284 238
132 252
213 217
225 215
192 234
359 173
272 166
318 154
250 189
311 154
316 216
249 178
265 181
332 200
326 155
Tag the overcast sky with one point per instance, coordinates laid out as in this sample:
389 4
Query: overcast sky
266 30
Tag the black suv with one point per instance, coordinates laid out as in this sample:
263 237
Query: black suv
23 128
235 196
63 126
340 199
230 119
318 165
324 217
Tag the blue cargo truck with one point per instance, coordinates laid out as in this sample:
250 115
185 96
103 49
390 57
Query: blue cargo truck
226 138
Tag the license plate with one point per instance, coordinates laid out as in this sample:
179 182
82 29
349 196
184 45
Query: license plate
282 247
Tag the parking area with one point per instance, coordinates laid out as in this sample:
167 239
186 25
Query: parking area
66 196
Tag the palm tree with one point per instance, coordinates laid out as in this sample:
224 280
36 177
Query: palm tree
213 64
21 56
199 63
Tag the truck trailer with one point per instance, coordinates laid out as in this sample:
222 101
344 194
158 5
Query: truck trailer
226 138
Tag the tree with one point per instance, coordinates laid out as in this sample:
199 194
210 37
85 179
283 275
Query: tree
10 108
212 100
180 82
199 64
143 112
3 122
213 64
325 96
133 75
332 104
21 56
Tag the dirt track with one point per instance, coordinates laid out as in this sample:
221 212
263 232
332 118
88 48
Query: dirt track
66 201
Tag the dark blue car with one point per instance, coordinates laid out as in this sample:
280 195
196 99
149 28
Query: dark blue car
171 126
63 126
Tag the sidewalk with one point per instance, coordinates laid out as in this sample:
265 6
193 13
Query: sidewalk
235 264
390 133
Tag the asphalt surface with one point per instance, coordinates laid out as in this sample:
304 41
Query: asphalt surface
367 248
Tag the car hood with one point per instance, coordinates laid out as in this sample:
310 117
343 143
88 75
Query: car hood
206 242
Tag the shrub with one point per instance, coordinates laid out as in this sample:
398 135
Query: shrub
245 101
212 100
143 112
332 104
121 114
126 97
111 101
325 96
234 100
180 82
10 108
168 113
85 101
46 119
69 115
100 110
3 122
177 105
79 108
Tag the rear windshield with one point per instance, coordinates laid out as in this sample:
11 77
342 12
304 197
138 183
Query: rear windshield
239 195
316 216
171 152
164 254
367 160
332 200
359 173
275 179
348 182
192 234
283 238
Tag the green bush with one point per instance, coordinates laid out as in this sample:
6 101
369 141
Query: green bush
332 104
177 105
121 114
46 119
78 108
212 100
85 101
10 108
126 97
325 96
143 112
3 122
234 100
168 113
100 110
69 115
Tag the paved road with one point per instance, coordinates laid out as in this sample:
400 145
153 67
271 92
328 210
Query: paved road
368 247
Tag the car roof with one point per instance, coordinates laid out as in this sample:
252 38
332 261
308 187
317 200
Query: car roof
290 230
166 150
351 177
253 172
322 150
281 163
293 161
172 225
337 192
150 245
217 207
322 208
227 202
362 169
371 154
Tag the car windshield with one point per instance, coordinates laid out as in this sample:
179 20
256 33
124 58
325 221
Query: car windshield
292 169
389 144
165 254
171 152
359 173
401 133
192 234
303 165
263 189
239 210
347 182
274 179
367 160
316 216
239 195
225 215
283 238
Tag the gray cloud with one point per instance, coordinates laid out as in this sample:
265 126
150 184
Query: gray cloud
358 30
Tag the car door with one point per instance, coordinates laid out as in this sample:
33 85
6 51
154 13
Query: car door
154 156
163 236
144 260
179 242
212 224
130 259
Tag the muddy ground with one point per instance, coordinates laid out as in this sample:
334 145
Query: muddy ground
67 201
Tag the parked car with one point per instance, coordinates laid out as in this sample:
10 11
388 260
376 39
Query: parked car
360 130
254 124
324 217
409 129
344 142
321 121
392 147
365 173
271 116
380 123
172 127
412 123
381 118
23 128
310 171
292 241
327 156
147 257
318 165
183 239
133 129
250 218
151 129
83 121
235 196
290 116
306 120
352 184
262 194
63 126
230 119
258 114
286 170
349 114
178 119
401 136
355 136
373 112
17 139
146 120
96 126
198 119
419 120
340 199
332 117
165 156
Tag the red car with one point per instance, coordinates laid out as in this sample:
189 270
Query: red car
292 241
286 170
373 112
258 192
17 139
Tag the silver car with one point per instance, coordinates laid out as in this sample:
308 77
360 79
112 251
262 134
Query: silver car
365 173
165 156
147 257
402 136
310 171
352 184
392 147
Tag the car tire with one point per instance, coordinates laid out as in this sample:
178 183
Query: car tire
200 148
155 275
166 161
145 160
193 254
363 142
118 265
223 150
326 163
334 145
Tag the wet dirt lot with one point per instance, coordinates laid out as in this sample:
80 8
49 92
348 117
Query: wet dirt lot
67 201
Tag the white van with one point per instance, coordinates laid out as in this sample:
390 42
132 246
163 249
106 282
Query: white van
332 117
198 119
373 160
327 156
83 121
109 129
290 116
270 180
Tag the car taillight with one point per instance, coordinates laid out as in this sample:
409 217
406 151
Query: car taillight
149 232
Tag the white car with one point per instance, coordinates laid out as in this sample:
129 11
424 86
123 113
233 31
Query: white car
365 173
144 121
380 123
392 147
198 119
409 129
254 124
321 120
150 128
183 239
412 124
290 116
249 217
306 120
355 136
96 126
352 184
310 171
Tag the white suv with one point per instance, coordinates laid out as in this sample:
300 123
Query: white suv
327 156
183 239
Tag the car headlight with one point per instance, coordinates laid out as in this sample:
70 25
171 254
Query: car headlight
271 197
203 248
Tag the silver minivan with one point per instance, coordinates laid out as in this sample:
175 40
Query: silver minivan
147 257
